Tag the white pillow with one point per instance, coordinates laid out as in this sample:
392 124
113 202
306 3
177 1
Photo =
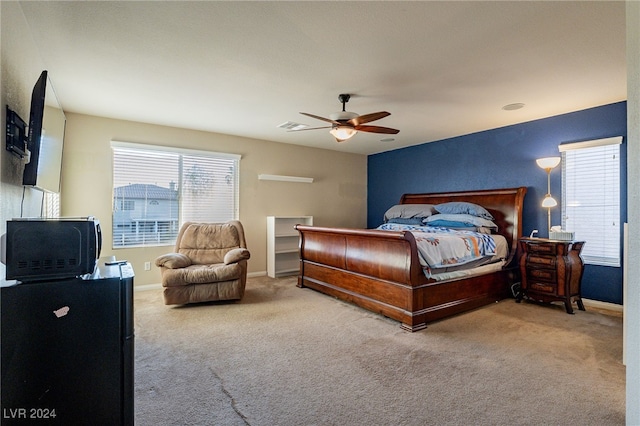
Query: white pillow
409 210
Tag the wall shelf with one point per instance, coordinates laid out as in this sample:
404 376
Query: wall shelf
282 178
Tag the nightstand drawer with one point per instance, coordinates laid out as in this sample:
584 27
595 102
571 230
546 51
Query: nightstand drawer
534 260
542 274
542 287
548 249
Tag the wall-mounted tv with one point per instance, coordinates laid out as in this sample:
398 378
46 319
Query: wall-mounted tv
46 137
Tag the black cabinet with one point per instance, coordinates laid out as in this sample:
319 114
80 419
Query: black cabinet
67 352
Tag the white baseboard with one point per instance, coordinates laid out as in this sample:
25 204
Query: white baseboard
587 302
603 305
147 287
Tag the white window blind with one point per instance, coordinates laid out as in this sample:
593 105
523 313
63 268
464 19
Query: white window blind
51 204
591 197
156 189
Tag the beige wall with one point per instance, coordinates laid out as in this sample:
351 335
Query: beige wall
337 196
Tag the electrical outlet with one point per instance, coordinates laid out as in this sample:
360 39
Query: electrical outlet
147 266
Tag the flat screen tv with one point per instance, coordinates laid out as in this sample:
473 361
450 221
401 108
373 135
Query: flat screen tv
46 137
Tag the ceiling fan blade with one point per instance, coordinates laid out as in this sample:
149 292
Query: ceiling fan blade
317 117
369 117
310 128
377 129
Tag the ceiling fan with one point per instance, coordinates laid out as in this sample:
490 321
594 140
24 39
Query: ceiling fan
345 124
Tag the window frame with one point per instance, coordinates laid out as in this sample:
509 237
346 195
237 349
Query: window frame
604 259
50 205
235 178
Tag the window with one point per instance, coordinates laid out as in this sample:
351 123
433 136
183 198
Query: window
591 197
126 204
156 189
51 204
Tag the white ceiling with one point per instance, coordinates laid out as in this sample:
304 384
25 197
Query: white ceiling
442 69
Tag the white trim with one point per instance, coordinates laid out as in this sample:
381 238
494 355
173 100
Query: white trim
625 280
145 147
587 302
147 287
603 305
616 140
285 178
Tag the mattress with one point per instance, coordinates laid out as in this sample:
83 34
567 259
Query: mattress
446 250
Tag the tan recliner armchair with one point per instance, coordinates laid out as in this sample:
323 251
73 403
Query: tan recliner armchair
209 263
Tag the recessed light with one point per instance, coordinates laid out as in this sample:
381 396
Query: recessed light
513 107
387 140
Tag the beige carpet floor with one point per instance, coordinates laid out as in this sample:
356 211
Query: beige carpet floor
291 356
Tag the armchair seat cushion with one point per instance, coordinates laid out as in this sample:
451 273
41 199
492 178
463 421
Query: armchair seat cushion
201 274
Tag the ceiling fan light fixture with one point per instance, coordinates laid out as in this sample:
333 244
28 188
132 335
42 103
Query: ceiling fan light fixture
342 133
343 116
345 124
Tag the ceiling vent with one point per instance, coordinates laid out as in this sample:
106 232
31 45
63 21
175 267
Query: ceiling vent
290 125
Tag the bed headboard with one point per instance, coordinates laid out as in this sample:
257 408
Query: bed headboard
504 204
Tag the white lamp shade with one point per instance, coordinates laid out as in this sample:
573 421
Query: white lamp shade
548 162
342 133
549 201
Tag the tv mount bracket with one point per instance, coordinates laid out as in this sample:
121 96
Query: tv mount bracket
16 134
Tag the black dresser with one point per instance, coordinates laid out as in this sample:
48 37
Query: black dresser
67 352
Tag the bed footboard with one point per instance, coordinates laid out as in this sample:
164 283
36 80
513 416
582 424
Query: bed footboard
380 271
377 270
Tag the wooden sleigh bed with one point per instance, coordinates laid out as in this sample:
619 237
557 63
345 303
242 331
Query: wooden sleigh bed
380 271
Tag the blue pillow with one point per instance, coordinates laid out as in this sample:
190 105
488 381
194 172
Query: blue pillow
451 224
460 219
406 220
463 207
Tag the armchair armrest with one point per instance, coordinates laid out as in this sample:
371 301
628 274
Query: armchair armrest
173 261
236 255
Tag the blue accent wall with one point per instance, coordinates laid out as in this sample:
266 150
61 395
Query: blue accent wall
504 158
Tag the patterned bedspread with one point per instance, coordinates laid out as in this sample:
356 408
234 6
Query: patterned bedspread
442 247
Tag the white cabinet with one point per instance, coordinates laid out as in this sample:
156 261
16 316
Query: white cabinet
283 257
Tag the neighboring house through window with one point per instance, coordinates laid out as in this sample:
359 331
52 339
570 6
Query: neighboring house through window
591 197
156 189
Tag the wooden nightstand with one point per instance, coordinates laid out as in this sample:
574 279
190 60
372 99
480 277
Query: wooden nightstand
551 270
